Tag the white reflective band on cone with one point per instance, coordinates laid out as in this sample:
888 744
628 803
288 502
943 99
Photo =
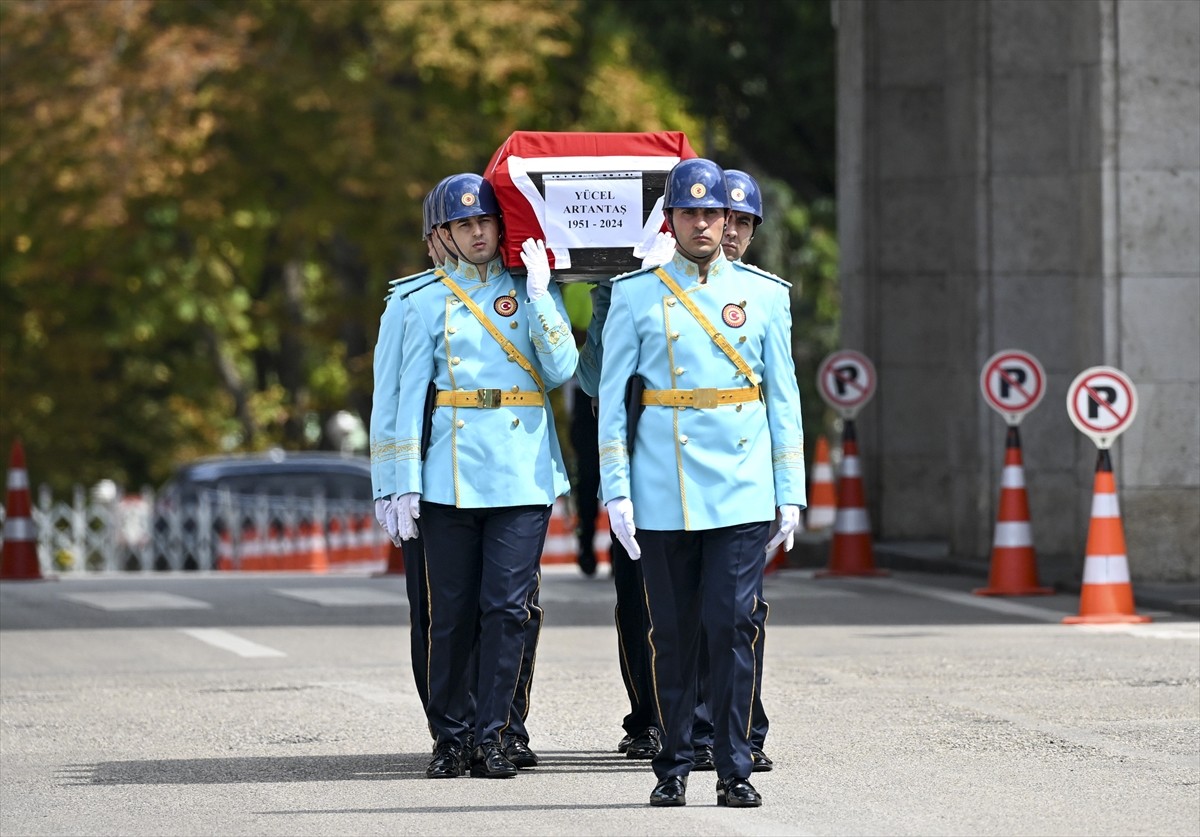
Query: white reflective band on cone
18 479
1013 477
1105 569
19 529
850 467
1016 533
1105 505
852 522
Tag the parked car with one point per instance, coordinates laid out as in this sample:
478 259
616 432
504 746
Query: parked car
224 497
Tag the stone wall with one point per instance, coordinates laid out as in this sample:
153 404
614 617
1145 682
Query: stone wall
1023 174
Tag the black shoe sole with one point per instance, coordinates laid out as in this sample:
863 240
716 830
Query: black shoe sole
669 803
724 803
483 773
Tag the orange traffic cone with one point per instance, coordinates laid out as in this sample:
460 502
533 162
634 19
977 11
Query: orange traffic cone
822 495
395 561
851 551
1107 595
20 558
1014 565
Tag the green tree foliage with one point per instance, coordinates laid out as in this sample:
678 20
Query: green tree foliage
202 201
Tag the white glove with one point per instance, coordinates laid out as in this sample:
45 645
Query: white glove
620 523
537 263
407 509
661 251
789 519
388 521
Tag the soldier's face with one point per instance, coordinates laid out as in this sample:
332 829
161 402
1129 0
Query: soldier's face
699 231
437 249
474 239
738 233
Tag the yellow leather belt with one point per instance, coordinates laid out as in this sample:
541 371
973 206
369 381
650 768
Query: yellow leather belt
489 399
701 399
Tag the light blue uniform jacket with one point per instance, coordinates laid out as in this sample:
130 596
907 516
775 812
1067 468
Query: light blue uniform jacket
483 458
695 469
386 367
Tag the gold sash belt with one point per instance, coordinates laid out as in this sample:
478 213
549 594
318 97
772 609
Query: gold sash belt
489 399
701 399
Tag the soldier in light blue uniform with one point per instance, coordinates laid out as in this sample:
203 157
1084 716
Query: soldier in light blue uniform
746 213
383 441
494 345
643 734
718 453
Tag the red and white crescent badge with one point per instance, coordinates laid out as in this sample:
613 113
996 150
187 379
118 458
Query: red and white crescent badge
505 306
468 199
733 315
698 190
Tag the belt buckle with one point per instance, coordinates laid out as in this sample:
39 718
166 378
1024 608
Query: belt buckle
704 399
489 399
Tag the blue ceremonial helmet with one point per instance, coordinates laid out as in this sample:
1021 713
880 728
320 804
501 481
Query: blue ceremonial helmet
467 195
427 224
696 183
437 209
744 194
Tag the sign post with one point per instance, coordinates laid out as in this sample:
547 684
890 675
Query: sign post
846 380
1013 383
1102 402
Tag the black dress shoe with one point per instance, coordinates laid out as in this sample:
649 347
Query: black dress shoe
737 793
670 792
518 752
447 762
702 758
624 743
487 762
645 746
761 763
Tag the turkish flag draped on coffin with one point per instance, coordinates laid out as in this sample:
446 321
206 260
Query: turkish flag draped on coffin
594 198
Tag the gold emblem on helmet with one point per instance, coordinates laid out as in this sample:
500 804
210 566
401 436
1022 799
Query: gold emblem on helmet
737 194
698 190
468 199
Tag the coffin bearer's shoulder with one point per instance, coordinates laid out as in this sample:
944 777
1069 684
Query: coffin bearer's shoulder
411 284
758 271
641 271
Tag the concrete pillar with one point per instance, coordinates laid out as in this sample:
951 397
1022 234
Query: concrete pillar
1023 174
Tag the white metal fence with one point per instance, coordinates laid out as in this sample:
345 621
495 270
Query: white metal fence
219 531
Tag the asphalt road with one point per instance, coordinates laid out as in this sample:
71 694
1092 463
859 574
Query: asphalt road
283 704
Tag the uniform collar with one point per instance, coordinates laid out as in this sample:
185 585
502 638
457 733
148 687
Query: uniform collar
686 267
482 273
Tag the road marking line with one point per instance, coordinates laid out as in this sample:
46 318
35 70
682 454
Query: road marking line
1176 630
231 642
342 596
970 600
132 600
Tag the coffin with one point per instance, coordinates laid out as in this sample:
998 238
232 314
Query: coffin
594 198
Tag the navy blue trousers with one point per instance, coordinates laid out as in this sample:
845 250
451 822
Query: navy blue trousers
632 648
704 584
482 569
702 726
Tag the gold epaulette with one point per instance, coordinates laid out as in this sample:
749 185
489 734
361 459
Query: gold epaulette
758 271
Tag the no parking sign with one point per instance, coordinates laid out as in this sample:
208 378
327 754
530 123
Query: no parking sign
846 380
1013 383
1102 402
